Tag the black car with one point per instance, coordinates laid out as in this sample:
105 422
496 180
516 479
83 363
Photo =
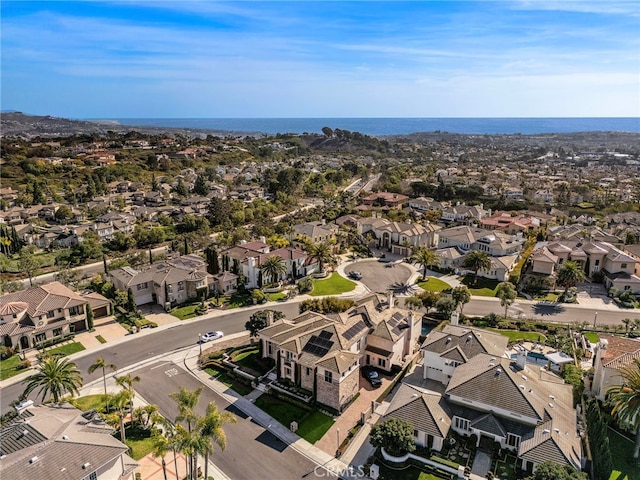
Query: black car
372 376
355 275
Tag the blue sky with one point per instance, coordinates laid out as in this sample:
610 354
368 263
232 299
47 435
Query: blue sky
537 58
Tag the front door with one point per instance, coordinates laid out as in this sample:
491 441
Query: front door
24 343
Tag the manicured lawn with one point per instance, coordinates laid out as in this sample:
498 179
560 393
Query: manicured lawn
67 349
403 473
238 300
139 441
334 285
274 297
484 287
311 424
251 359
516 336
188 311
221 375
549 297
9 367
434 284
90 401
621 453
314 426
591 336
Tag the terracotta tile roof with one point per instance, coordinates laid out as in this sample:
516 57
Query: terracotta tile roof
619 352
44 298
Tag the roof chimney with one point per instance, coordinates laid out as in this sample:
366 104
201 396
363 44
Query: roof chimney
455 318
521 358
390 299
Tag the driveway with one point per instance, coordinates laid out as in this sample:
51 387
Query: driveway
380 276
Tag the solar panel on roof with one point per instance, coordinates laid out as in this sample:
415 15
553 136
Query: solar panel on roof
325 334
354 329
318 346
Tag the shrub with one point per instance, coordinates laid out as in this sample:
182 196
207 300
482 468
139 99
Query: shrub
6 352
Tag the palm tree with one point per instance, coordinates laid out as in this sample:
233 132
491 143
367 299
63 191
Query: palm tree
100 363
626 400
121 401
56 376
274 268
425 258
569 275
161 447
477 261
507 294
171 435
461 295
210 427
322 253
190 443
626 322
127 382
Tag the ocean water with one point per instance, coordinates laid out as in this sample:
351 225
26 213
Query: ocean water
396 126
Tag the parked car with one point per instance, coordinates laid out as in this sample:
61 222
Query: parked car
355 275
371 375
209 336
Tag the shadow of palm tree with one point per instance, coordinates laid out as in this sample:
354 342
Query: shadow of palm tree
402 288
548 309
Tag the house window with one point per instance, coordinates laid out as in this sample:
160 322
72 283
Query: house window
462 423
382 363
142 286
51 314
623 265
269 348
91 476
57 332
627 287
180 286
415 434
328 376
287 372
75 311
40 337
307 371
597 262
513 440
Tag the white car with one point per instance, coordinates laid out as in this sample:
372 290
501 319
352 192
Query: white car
209 336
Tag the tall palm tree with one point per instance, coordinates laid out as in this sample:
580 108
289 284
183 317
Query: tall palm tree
55 377
274 268
477 261
425 258
210 427
121 402
171 435
626 401
190 443
507 295
321 252
569 275
100 363
161 447
127 382
187 401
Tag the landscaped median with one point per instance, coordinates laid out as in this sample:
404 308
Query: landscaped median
434 284
336 284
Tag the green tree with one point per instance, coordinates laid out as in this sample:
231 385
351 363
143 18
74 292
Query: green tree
121 402
394 435
625 399
507 294
321 253
63 214
551 470
219 211
210 427
274 268
55 377
425 258
28 263
446 305
161 447
477 261
101 364
569 275
187 439
259 320
200 186
461 295
127 381
213 264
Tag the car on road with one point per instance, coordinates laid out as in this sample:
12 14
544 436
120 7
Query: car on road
209 336
355 275
371 375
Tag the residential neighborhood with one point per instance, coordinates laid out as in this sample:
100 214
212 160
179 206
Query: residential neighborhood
484 299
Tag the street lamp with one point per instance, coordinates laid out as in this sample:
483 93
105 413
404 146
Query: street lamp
595 319
200 342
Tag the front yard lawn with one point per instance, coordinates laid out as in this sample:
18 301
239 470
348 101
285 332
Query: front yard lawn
591 336
250 359
403 472
484 287
222 376
88 402
312 424
516 336
621 454
9 367
188 311
274 297
139 441
434 284
334 285
67 349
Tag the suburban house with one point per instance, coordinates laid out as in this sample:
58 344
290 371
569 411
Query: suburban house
618 268
316 232
399 237
169 283
59 441
247 260
47 312
503 221
386 200
462 214
610 355
321 353
490 397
